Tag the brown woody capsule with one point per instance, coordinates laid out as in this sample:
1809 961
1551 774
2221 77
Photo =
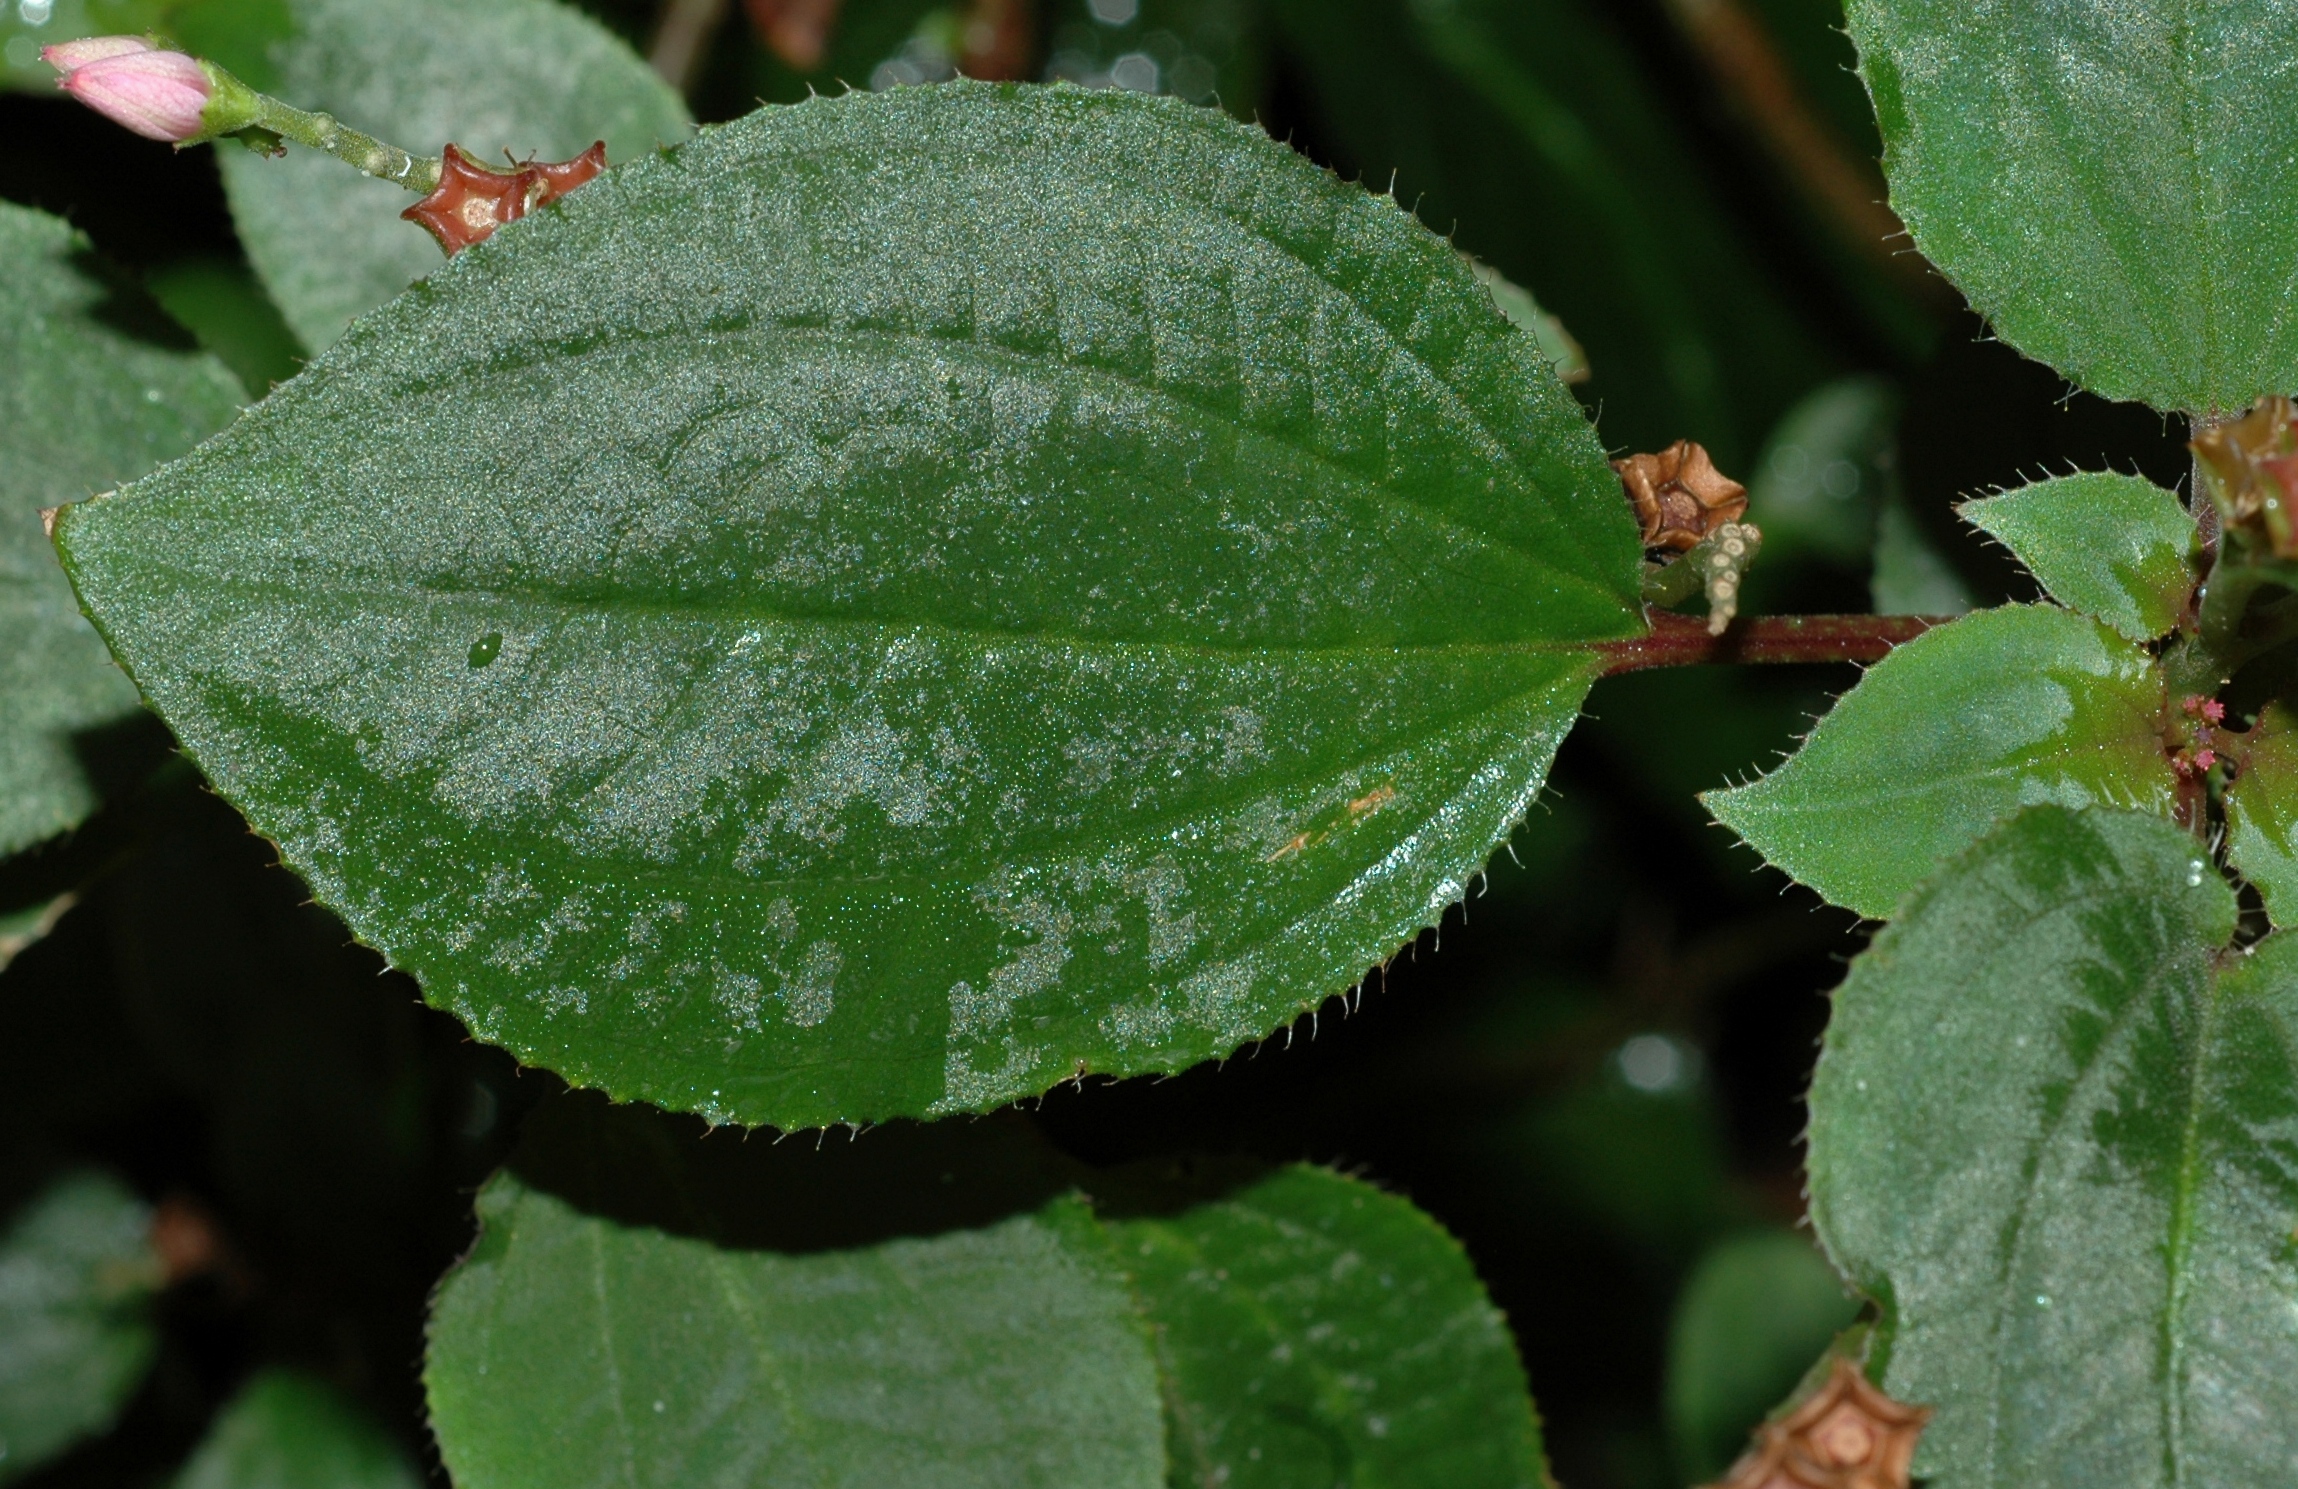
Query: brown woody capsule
472 200
2250 467
1845 1435
1679 495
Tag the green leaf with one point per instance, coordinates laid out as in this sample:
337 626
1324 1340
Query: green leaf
532 77
1312 1330
76 1275
1949 734
570 1350
287 1431
964 587
2112 186
1754 1314
96 386
2112 546
2058 1147
2262 812
649 1303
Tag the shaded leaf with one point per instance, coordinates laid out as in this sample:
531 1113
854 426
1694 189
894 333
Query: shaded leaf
1754 1314
531 77
1312 1330
937 1305
76 1275
96 387
2262 812
1828 467
1911 575
1527 129
2112 546
219 301
1949 734
908 648
568 1350
2111 185
2057 1146
287 1431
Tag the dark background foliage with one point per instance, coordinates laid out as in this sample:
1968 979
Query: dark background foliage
1592 1074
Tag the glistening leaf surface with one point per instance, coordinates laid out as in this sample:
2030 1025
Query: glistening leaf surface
903 600
96 386
2059 1148
1949 734
2112 546
2112 185
1312 1330
532 77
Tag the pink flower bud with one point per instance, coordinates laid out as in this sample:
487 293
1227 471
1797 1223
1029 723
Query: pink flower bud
67 56
159 95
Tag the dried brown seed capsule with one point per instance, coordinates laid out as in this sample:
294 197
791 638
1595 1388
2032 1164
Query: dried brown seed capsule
2250 466
1679 495
1846 1435
472 200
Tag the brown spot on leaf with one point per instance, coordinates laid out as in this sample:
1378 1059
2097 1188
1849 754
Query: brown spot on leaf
472 200
1846 1435
1679 495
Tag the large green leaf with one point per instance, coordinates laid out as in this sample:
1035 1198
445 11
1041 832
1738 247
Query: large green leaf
2111 185
287 1431
533 77
96 386
2059 1147
1949 734
907 599
77 1274
2114 546
1311 1330
938 1306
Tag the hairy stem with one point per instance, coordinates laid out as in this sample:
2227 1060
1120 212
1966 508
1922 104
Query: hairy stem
1683 640
321 132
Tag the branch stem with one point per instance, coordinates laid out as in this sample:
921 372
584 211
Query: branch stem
383 161
1683 640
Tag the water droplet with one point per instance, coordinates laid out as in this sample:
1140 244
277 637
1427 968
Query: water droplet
2194 873
486 648
2042 1300
658 1406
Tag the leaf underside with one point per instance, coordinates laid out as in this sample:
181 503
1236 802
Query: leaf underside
900 602
2059 1146
2111 185
96 386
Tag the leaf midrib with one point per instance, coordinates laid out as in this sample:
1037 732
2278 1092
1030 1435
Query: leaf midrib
301 597
620 341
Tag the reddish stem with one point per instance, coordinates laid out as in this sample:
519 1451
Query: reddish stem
1683 640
